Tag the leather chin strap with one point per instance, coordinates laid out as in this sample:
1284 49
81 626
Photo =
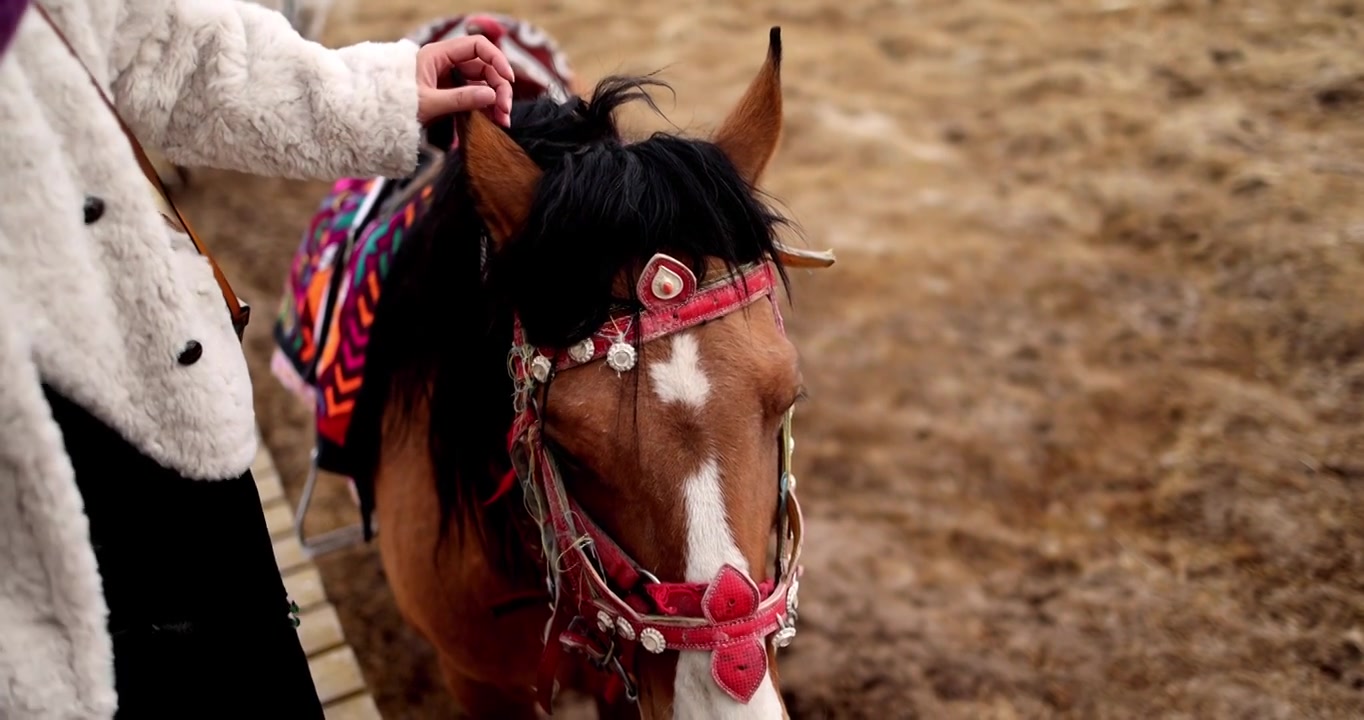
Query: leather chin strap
605 605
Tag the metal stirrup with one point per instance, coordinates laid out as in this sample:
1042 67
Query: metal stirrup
332 540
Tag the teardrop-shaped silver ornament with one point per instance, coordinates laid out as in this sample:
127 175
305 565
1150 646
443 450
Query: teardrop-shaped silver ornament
667 284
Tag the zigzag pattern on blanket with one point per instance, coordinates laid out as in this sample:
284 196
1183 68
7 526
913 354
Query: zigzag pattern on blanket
330 376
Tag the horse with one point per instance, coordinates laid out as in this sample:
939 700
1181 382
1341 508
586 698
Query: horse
574 423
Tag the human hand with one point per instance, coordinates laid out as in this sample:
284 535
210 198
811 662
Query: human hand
488 73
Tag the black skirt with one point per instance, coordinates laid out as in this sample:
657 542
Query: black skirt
197 611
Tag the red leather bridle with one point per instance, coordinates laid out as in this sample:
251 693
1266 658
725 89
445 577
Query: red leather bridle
604 604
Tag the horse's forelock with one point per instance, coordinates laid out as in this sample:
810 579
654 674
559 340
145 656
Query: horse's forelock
605 206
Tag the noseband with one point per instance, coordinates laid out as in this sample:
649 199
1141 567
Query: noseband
605 604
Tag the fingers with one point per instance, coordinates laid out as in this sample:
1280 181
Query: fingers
476 58
457 51
501 113
472 69
436 102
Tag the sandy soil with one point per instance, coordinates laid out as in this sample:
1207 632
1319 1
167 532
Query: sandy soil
1085 438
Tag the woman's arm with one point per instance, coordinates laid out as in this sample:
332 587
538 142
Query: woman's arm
230 84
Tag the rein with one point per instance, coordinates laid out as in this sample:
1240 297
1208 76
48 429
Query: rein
605 605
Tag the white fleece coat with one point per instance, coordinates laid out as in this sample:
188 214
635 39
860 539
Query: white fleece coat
101 311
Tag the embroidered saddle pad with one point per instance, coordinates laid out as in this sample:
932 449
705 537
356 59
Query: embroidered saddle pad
338 273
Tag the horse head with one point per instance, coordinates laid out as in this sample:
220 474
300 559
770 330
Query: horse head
631 288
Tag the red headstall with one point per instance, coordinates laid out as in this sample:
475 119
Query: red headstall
605 604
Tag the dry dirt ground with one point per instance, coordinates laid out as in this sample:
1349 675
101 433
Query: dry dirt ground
1085 437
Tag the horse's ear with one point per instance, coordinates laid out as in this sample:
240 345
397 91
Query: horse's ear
502 176
750 134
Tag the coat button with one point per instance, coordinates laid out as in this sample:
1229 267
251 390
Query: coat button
94 209
192 352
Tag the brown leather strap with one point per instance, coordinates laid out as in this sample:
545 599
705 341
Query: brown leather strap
241 313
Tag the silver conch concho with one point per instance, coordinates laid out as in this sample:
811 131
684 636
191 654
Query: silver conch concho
620 357
653 641
539 368
583 351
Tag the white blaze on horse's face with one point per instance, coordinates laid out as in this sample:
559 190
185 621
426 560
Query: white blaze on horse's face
680 380
710 544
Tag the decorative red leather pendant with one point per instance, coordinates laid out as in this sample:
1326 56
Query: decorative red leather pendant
665 282
731 595
739 668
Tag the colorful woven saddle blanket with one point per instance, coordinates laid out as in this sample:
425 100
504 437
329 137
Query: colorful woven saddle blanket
337 275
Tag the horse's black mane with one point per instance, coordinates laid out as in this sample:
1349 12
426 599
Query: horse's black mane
443 326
